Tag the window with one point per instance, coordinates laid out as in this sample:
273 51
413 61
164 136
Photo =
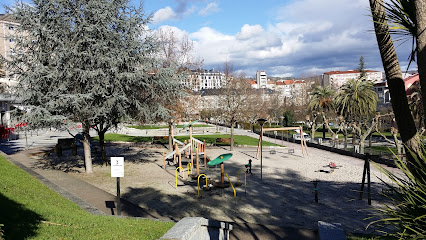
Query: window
379 89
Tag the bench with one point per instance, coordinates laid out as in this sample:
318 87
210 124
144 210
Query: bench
223 142
160 139
65 143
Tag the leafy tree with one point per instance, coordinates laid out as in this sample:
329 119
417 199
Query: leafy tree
357 100
322 102
361 68
357 103
90 62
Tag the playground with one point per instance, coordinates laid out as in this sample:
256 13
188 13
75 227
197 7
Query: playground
284 196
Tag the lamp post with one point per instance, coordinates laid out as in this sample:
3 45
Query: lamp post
261 121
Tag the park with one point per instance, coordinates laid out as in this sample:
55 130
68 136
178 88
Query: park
112 126
280 196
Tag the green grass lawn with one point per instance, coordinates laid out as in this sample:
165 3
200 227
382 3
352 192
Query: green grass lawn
29 209
145 127
239 140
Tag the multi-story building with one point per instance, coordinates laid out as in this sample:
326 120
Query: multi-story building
261 79
337 78
7 46
204 79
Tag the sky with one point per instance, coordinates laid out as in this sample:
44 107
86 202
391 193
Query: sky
298 38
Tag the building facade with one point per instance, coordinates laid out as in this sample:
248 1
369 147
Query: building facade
261 79
204 79
337 78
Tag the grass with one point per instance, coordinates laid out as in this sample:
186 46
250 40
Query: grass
30 210
144 127
239 139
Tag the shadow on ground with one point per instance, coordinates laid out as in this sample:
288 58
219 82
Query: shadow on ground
19 222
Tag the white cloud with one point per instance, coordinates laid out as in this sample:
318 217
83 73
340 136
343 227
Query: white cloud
163 14
248 31
308 37
209 9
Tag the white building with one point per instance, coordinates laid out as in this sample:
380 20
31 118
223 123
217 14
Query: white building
337 78
204 79
7 46
382 91
261 79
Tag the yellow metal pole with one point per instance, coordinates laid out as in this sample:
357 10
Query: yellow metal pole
245 178
176 173
235 193
199 182
189 167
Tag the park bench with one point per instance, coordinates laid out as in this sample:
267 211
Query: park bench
223 142
65 143
160 139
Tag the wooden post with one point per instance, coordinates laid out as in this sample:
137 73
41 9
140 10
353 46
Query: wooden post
366 171
222 171
204 153
369 182
186 150
164 160
179 157
198 160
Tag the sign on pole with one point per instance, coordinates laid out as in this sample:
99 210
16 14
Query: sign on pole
117 166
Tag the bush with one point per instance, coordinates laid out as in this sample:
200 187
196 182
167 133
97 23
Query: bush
405 217
1 232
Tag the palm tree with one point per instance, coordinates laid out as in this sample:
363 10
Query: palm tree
393 73
357 103
357 100
322 102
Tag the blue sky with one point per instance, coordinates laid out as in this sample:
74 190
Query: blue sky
282 37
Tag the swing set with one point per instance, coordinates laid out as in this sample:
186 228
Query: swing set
302 138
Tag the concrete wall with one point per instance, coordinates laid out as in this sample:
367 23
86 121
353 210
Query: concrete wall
198 228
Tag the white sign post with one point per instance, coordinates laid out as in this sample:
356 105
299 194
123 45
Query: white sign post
117 170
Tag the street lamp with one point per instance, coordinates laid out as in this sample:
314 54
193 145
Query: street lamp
261 121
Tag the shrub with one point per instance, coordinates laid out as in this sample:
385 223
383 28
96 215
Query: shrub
405 217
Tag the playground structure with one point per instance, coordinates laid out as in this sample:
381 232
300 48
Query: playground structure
302 138
214 184
187 149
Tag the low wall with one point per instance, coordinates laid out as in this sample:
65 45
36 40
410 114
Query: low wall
198 228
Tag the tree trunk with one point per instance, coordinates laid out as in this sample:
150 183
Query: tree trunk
420 9
404 119
398 144
361 145
232 136
102 146
86 148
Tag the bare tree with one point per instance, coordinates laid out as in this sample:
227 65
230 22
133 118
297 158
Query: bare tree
176 50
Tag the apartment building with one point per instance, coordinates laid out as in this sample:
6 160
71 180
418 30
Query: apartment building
204 79
7 46
261 79
337 78
7 49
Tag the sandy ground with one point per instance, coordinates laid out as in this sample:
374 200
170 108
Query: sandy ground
284 197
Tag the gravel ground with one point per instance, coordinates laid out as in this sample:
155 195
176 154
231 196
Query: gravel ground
284 196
